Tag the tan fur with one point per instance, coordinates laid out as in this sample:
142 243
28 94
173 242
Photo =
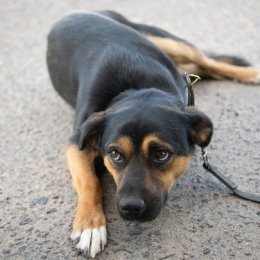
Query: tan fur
204 134
112 170
89 206
183 54
125 144
191 69
173 171
152 138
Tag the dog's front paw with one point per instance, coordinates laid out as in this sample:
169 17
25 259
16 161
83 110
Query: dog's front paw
90 234
91 241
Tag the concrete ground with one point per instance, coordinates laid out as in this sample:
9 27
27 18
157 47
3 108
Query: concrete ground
201 219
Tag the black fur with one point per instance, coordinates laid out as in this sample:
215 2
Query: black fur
120 59
233 60
123 85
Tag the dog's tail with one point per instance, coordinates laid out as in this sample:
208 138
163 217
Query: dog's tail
233 60
247 74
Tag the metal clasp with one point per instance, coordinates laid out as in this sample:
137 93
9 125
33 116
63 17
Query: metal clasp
204 154
195 77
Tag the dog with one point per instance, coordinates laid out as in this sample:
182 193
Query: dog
124 80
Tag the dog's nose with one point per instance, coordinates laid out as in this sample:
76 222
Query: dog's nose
131 207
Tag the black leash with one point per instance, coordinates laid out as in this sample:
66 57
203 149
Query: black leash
206 165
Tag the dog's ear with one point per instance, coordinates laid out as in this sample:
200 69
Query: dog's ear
201 127
91 130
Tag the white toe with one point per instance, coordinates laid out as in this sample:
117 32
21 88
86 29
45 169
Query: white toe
85 239
103 231
95 242
92 241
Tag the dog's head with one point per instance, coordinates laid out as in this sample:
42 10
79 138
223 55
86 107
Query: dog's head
146 143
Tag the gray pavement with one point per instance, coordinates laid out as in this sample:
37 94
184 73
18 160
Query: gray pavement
201 220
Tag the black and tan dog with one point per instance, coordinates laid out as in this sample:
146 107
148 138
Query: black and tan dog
131 109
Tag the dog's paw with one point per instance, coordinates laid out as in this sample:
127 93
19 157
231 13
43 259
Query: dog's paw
91 240
89 231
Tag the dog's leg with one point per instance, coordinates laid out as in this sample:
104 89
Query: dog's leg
89 226
184 55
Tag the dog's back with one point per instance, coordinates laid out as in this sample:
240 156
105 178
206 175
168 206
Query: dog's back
101 50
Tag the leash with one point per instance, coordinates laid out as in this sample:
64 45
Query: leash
206 165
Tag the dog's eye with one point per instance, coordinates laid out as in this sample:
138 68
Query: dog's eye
162 156
115 155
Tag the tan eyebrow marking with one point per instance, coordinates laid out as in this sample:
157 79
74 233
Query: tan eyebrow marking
124 143
148 140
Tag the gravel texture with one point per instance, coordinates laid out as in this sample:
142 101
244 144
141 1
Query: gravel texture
201 220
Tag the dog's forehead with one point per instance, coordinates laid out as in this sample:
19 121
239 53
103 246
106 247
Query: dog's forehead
129 145
155 140
137 123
